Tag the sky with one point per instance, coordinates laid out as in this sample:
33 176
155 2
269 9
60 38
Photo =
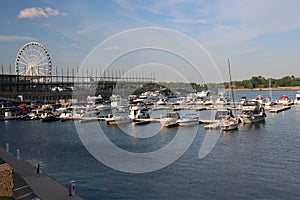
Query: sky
259 37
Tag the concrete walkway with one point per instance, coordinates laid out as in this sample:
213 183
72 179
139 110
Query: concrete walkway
42 185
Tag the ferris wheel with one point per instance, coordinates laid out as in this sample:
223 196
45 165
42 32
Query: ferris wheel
33 62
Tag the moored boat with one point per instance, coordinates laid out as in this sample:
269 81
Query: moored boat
297 99
252 111
188 120
229 124
170 119
116 120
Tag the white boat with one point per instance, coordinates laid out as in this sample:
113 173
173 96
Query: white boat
90 115
266 102
188 119
220 115
229 124
297 99
66 116
170 119
138 112
222 100
209 101
284 100
252 111
116 120
103 107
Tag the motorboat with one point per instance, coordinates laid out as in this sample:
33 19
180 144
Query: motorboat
119 119
243 99
188 119
284 100
209 101
49 117
222 100
103 107
90 115
139 112
229 124
266 102
64 116
252 111
297 99
170 119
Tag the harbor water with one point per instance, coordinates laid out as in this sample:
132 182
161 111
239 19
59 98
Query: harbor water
257 161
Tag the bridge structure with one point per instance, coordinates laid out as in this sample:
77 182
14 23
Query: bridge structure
61 86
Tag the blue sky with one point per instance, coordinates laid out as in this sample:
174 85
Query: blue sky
259 37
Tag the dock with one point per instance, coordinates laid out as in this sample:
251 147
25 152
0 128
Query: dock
40 184
279 109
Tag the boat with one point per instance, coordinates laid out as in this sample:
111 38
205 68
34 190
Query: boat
64 116
116 120
170 119
139 112
229 124
266 102
188 120
297 99
284 100
221 115
209 101
103 107
90 115
252 111
222 100
242 100
49 118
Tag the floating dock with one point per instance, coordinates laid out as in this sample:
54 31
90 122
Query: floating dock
279 109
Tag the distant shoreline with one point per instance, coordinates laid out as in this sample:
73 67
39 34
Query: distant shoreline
266 89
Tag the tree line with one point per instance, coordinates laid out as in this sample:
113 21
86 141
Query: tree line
262 82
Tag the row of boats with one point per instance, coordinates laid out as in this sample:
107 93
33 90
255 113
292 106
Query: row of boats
250 111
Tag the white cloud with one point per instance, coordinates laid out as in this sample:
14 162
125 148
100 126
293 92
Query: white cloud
7 38
39 12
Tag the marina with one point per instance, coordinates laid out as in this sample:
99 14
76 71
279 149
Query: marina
267 149
135 100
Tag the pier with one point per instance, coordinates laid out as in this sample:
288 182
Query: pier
279 109
34 184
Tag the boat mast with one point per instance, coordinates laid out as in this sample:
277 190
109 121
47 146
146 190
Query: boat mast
230 83
270 88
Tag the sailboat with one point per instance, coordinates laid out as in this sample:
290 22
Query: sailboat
230 122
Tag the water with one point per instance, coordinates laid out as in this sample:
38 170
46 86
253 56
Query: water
259 161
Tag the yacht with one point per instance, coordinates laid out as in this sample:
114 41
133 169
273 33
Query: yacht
252 111
188 119
297 99
170 119
138 112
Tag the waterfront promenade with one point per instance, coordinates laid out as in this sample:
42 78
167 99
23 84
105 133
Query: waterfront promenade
40 184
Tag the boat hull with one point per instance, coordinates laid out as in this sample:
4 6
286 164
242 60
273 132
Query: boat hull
252 119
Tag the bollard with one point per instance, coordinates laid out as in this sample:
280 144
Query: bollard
7 147
18 154
39 168
72 186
